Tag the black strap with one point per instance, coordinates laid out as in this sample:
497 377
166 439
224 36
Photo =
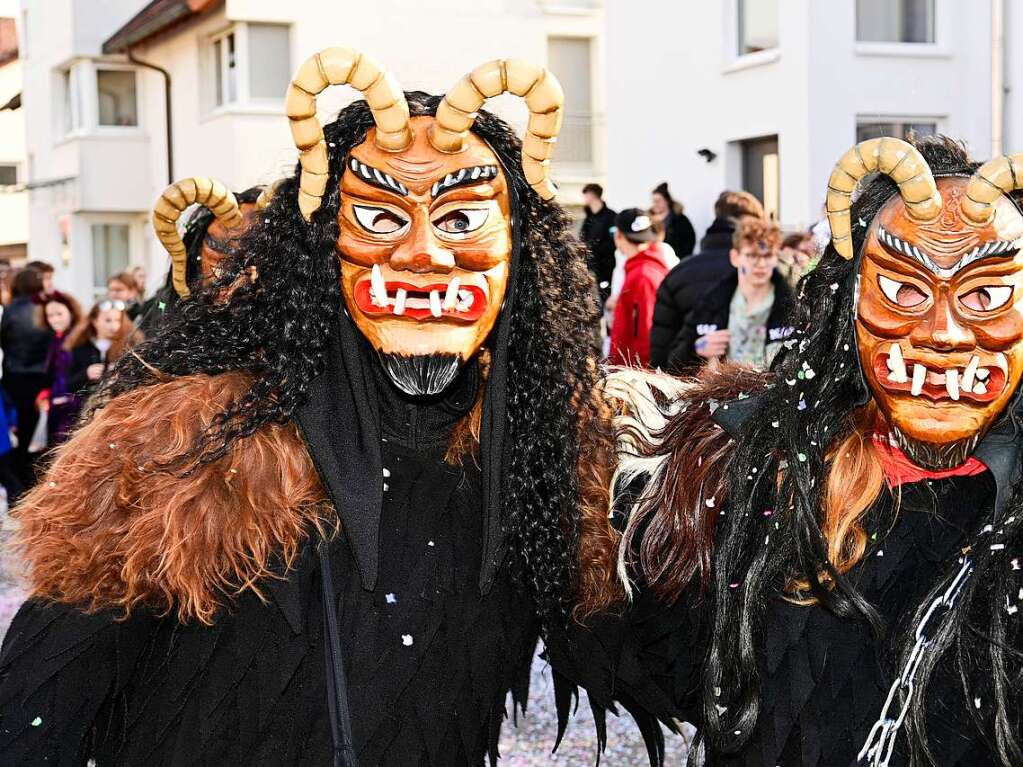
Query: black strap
337 686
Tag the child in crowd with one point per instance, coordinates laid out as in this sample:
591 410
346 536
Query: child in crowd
58 400
637 240
97 341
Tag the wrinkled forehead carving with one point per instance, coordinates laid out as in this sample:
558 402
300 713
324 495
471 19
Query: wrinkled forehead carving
995 249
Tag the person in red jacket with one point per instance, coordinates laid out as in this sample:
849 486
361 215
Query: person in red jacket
637 240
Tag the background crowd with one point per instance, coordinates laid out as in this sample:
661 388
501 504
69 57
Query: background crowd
673 305
54 353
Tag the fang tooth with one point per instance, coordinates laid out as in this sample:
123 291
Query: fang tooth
982 374
399 301
435 303
1002 364
465 298
897 364
378 291
980 388
970 373
919 375
952 383
451 296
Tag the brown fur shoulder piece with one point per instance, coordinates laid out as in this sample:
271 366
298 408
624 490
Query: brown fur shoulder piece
118 522
668 442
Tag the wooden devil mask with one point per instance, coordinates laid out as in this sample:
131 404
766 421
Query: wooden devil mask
939 298
425 222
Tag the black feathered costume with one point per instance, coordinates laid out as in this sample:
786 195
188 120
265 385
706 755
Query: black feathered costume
392 642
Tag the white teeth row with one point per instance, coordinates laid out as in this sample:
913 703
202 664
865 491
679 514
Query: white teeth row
973 378
454 297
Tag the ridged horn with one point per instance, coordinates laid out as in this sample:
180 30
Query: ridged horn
543 95
266 195
898 160
341 66
1002 175
175 199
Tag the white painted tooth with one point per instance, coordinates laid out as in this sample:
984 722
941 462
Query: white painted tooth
465 297
1002 364
982 374
451 296
980 388
919 375
379 287
952 383
968 375
897 364
435 303
399 301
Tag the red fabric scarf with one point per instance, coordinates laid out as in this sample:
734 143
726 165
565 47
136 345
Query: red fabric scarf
898 469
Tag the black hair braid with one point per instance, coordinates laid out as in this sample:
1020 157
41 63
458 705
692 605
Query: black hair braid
276 331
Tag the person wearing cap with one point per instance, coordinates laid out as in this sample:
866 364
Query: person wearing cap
637 240
745 317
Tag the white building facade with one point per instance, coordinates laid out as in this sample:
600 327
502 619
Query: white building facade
13 171
96 114
777 90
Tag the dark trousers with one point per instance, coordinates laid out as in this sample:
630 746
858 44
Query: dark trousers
23 389
10 481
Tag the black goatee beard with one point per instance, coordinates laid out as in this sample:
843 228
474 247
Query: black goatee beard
936 457
421 375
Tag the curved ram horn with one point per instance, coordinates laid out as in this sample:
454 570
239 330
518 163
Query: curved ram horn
341 66
1002 175
543 95
899 161
267 194
175 199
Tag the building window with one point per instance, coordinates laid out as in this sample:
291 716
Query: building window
269 60
116 98
876 127
251 63
895 21
761 172
111 253
572 59
8 174
757 25
72 91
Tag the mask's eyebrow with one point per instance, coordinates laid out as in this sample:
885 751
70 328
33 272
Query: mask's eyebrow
377 178
464 177
996 248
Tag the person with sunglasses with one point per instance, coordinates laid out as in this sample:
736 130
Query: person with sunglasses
99 339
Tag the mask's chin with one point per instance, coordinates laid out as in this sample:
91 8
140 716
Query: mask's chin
934 457
421 375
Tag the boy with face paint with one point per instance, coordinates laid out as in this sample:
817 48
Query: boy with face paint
745 317
323 516
826 561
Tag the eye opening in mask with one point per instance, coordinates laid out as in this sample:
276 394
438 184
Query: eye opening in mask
379 220
986 298
460 222
904 295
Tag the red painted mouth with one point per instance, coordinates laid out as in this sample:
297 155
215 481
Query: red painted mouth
417 302
985 383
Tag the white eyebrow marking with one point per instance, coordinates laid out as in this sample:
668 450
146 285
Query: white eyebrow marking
996 248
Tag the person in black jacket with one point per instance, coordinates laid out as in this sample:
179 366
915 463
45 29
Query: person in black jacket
596 233
691 279
25 339
98 340
678 229
745 318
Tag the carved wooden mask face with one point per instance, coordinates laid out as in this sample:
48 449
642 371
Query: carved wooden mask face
221 241
425 247
940 323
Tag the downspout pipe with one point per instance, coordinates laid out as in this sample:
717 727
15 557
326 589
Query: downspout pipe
167 108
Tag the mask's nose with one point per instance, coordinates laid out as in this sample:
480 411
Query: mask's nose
421 252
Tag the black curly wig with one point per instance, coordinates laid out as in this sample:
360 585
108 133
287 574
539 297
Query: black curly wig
802 418
276 329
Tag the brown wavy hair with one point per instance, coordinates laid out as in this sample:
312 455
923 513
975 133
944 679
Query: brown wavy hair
84 332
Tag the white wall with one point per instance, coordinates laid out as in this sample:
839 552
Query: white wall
13 205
